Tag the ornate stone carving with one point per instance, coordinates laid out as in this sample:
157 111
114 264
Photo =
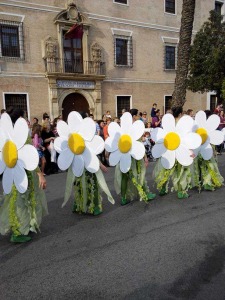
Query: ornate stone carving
96 52
50 47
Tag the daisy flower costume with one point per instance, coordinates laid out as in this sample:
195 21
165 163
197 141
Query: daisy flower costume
127 153
78 147
206 172
24 202
172 148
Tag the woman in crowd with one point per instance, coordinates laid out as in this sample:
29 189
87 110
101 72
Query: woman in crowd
48 138
38 144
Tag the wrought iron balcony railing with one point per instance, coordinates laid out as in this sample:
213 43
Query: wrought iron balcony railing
56 65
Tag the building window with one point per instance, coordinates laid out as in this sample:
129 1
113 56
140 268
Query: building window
218 7
11 39
213 103
170 57
73 55
17 101
121 1
170 6
121 103
123 51
168 103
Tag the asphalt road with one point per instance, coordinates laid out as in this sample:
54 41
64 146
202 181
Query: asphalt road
168 249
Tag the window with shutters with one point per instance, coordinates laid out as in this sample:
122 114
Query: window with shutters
121 103
123 49
170 57
121 1
11 40
170 6
17 101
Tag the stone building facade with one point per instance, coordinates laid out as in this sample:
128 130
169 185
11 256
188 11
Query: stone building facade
122 54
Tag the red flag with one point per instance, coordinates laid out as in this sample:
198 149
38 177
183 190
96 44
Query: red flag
75 32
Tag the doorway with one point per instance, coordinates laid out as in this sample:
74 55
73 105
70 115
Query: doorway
74 102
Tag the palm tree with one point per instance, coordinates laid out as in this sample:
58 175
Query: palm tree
187 19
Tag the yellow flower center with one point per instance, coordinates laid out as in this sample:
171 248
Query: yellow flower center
172 141
76 143
203 134
10 154
124 143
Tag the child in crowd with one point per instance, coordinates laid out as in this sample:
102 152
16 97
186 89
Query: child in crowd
38 144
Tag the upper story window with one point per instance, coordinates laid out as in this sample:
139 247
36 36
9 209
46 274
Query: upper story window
170 6
170 57
11 39
218 7
73 54
123 51
121 1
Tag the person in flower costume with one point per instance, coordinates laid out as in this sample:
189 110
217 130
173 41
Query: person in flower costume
24 202
127 153
172 147
206 172
78 147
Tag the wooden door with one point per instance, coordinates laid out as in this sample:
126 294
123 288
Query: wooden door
74 101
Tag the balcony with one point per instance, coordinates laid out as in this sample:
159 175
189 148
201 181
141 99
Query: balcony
62 66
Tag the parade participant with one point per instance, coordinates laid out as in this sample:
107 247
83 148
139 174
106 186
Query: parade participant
172 146
78 147
206 172
127 153
24 200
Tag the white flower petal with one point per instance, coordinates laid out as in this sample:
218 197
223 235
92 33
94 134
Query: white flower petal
114 129
216 137
114 158
184 125
96 145
125 162
192 140
87 129
126 123
158 150
2 139
137 150
7 180
91 162
78 165
200 119
7 126
74 121
168 123
20 132
111 143
65 159
168 159
137 129
60 144
212 123
2 164
28 157
63 129
183 155
20 179
158 134
206 151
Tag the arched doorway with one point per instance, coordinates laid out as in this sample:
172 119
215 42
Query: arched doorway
74 101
